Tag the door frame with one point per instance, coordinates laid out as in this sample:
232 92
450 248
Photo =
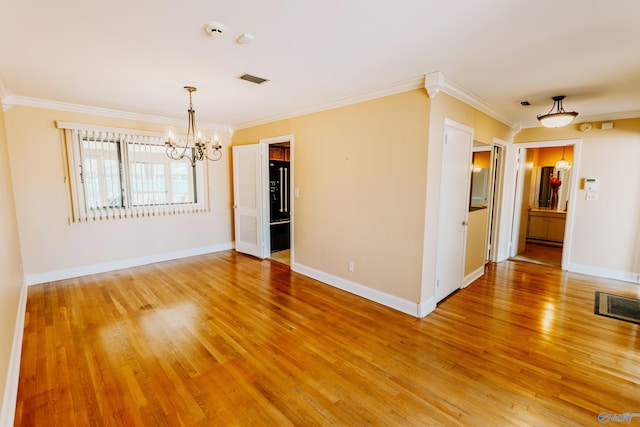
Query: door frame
440 262
519 153
501 205
264 148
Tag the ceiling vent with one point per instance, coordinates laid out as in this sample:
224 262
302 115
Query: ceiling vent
253 79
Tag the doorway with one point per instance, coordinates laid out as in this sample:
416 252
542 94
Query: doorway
497 186
279 166
542 219
278 192
259 188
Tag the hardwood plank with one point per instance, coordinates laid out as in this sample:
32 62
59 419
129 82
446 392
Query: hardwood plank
229 339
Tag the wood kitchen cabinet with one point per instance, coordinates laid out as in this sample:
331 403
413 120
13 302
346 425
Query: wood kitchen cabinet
546 226
279 153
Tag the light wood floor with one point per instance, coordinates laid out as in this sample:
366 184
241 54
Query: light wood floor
541 254
283 257
225 339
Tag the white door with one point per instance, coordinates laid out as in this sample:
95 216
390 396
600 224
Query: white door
454 207
247 196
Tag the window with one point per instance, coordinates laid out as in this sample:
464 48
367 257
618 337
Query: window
116 173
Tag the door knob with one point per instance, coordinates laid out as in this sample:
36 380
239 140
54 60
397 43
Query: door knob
465 222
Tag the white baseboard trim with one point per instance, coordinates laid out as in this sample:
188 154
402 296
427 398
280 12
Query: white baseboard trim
469 279
427 307
8 409
51 276
388 300
625 276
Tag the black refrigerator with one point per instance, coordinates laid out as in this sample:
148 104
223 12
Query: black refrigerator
280 219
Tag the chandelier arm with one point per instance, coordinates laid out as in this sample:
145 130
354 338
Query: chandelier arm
217 154
176 147
172 153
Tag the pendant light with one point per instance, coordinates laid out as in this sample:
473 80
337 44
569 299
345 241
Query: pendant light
559 118
563 164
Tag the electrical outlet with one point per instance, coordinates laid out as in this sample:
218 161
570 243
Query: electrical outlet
351 266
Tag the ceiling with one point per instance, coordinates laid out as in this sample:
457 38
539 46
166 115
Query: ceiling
136 55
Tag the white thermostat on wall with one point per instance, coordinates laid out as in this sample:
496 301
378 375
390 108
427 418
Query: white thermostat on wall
590 184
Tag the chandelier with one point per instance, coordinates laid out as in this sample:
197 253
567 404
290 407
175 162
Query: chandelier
196 147
558 119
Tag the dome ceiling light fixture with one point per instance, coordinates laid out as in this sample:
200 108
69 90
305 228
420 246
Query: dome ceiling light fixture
559 118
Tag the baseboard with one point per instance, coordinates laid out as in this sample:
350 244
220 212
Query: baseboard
625 276
426 307
8 409
469 279
388 300
50 276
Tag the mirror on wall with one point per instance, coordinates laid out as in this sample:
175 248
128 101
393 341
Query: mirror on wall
480 176
546 176
544 189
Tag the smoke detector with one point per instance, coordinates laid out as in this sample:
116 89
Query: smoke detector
215 29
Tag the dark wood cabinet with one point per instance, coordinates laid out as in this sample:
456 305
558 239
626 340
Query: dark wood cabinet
279 153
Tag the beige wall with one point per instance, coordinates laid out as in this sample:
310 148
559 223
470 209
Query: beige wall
10 264
49 243
370 159
606 234
548 156
482 159
360 170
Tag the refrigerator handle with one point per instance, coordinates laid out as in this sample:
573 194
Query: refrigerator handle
286 192
281 192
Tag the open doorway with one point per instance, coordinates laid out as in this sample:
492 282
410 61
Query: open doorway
542 215
497 185
277 198
280 202
263 205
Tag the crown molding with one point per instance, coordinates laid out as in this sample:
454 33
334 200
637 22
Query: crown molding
23 101
392 89
437 82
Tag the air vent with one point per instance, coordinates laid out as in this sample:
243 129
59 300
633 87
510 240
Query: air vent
253 79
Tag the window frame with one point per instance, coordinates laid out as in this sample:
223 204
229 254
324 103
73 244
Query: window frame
75 166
